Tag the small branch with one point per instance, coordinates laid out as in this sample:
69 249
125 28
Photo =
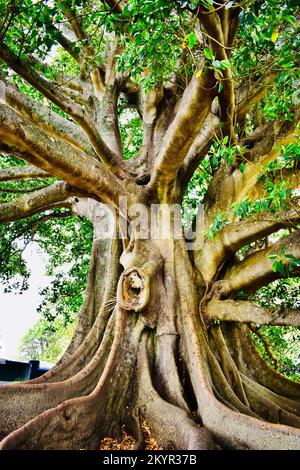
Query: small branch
256 330
65 43
88 50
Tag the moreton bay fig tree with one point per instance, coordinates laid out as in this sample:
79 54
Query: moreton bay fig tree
121 112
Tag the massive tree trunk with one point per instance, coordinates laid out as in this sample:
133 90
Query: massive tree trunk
144 351
159 338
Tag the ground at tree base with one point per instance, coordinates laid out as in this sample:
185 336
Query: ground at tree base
128 442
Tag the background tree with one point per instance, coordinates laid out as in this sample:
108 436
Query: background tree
163 335
45 341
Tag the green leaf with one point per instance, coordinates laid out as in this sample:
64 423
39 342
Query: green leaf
208 53
291 19
242 167
192 40
225 140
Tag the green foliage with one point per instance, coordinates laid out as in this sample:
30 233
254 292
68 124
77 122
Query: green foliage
285 263
217 224
67 265
131 132
284 344
268 29
46 342
283 341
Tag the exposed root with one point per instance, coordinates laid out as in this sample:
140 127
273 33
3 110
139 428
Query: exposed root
81 421
166 372
32 399
172 427
251 363
286 403
129 367
228 366
267 408
223 387
229 428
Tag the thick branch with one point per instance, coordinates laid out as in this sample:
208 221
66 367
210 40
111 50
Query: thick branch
50 121
22 172
256 270
52 92
194 108
199 148
36 202
59 158
212 255
250 312
218 24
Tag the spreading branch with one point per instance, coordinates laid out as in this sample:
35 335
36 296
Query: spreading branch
232 237
59 158
231 185
250 312
51 122
52 92
257 270
22 172
39 201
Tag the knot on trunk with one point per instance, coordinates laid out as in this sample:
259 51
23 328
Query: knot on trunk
134 290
